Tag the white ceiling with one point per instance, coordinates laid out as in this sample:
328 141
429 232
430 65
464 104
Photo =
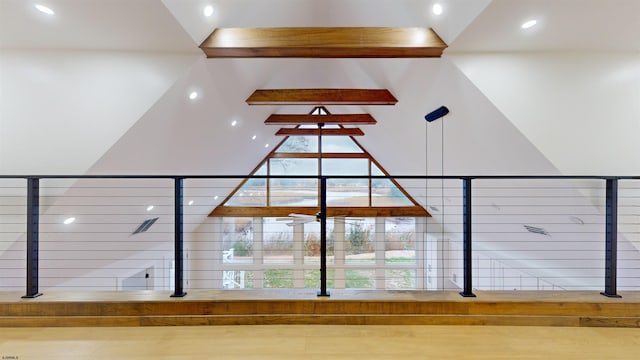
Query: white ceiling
563 25
124 25
38 49
165 25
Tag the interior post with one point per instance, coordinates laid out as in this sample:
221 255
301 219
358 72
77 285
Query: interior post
33 231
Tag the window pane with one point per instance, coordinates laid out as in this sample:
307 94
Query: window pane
237 240
237 279
399 241
400 279
252 193
345 167
278 278
278 242
347 192
339 144
384 192
359 241
299 144
293 166
312 242
293 192
312 278
359 279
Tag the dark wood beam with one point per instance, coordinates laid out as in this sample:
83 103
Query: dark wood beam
281 211
315 155
324 42
316 132
342 119
321 97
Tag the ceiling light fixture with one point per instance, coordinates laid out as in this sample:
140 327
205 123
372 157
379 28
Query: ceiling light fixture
216 197
69 220
437 9
436 114
254 137
193 95
208 10
150 208
234 122
266 145
529 24
44 9
190 202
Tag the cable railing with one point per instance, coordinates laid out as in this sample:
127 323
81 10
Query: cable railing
120 233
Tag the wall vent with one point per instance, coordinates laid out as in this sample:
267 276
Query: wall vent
536 230
144 226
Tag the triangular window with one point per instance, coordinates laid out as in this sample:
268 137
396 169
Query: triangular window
341 156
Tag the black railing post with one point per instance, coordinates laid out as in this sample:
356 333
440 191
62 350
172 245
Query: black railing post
611 240
178 238
466 234
33 231
322 216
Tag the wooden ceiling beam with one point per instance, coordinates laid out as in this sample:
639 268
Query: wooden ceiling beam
316 132
341 119
321 97
281 211
324 42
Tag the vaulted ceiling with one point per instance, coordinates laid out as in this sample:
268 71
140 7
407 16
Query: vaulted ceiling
103 86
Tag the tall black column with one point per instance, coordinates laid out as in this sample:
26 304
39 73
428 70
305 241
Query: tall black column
178 238
611 240
466 234
33 221
323 237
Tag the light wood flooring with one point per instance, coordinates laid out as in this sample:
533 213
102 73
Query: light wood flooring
331 342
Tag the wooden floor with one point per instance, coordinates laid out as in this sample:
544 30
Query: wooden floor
399 325
314 342
303 307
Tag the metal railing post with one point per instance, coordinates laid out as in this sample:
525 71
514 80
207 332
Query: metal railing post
323 237
178 238
611 240
33 231
466 246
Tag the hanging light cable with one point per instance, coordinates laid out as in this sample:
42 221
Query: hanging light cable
430 117
442 191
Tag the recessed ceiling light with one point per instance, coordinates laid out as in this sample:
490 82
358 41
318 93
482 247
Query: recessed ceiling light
69 220
529 24
437 9
190 202
254 137
266 145
208 10
150 208
234 122
44 9
216 197
193 95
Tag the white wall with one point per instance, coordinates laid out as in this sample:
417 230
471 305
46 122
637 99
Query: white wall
580 110
61 110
